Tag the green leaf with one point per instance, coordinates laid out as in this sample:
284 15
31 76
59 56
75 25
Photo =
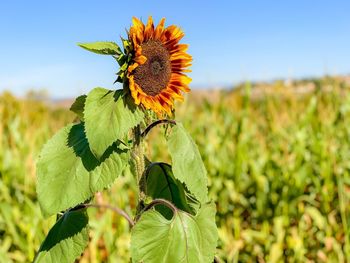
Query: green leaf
187 163
108 117
161 183
66 240
102 48
78 106
184 238
68 173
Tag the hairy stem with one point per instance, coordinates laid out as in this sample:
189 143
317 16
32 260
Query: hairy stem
139 165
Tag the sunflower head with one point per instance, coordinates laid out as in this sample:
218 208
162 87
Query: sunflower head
158 63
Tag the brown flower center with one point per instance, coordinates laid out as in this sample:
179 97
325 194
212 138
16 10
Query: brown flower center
153 76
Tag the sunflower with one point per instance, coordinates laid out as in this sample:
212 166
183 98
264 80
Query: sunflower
156 72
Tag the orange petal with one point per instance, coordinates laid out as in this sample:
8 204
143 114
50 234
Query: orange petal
137 29
181 55
132 67
140 59
147 102
180 70
139 26
182 86
165 97
149 28
179 48
134 90
159 29
175 95
181 77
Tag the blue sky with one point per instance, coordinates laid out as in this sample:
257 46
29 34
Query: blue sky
231 41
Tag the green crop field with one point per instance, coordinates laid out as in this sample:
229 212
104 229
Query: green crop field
278 161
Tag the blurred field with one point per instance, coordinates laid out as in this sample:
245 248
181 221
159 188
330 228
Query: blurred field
278 158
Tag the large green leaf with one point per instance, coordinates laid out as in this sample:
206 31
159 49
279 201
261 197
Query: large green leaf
78 106
108 117
161 183
68 173
102 48
184 238
66 240
187 163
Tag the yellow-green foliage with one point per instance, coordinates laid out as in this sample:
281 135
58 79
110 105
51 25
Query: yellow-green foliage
278 164
24 127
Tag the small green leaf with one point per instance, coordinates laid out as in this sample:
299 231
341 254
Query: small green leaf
66 240
184 238
102 48
161 183
187 163
78 106
68 173
108 117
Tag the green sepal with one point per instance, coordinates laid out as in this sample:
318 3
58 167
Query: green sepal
119 79
121 59
126 45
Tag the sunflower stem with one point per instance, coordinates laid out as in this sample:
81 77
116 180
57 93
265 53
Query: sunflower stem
139 165
154 124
